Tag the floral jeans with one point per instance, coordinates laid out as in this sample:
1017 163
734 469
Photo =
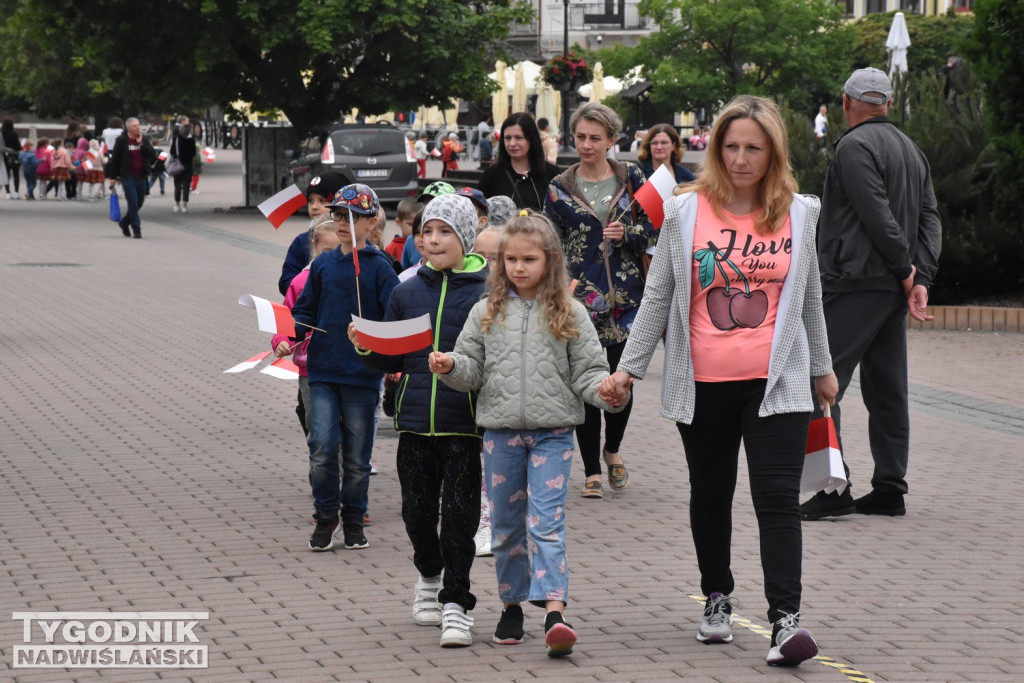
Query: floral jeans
527 476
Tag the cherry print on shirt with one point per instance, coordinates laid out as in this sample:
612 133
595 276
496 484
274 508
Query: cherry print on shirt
729 308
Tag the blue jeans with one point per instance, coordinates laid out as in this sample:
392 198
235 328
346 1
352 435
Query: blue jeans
153 177
340 443
527 475
135 191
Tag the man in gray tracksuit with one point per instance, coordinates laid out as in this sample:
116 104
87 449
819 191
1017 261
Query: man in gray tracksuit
878 251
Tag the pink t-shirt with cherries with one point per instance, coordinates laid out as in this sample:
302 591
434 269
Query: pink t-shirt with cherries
736 282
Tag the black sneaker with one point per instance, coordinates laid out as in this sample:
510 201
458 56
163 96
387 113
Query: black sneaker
125 230
558 635
828 505
510 626
323 536
354 538
876 503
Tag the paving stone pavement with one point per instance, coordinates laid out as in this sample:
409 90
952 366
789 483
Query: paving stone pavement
135 477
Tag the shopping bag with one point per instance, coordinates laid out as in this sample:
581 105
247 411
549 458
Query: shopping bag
823 464
115 207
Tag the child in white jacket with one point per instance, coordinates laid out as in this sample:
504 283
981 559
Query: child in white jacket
535 357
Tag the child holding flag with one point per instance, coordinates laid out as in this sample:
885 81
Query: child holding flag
533 353
343 391
319 196
439 443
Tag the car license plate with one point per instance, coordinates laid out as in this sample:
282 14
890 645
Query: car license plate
371 173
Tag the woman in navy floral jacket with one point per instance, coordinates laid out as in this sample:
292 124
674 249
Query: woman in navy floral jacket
605 236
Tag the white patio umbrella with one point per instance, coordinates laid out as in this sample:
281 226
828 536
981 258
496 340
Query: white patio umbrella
597 89
548 103
612 86
897 44
519 88
499 100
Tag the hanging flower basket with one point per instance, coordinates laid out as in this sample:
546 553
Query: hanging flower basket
561 72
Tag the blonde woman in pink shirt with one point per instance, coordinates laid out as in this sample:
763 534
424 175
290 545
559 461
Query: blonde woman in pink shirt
735 280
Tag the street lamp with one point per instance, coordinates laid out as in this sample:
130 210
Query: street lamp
565 96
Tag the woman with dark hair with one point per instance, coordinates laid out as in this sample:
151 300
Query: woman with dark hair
12 148
663 147
519 170
183 148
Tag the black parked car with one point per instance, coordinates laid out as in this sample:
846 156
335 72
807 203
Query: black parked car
378 155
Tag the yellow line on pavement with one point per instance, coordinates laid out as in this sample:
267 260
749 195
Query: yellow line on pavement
851 674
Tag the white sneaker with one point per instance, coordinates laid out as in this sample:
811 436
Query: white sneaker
483 541
10 196
184 209
175 208
455 626
426 610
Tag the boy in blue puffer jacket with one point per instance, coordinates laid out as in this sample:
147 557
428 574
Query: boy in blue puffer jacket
343 392
439 442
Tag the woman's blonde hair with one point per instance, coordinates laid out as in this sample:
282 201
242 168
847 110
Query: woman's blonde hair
553 292
778 185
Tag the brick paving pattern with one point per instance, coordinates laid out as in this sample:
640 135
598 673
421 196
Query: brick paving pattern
135 476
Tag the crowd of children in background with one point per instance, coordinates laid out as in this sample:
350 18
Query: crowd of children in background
451 420
72 167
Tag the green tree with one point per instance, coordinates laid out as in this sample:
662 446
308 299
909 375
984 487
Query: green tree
933 40
707 51
312 59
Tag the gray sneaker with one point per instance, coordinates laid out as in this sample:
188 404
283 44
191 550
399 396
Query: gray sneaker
716 625
790 643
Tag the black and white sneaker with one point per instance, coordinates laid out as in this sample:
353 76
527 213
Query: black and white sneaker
790 643
323 536
510 626
354 538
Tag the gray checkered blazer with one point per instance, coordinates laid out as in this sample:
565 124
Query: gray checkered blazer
799 344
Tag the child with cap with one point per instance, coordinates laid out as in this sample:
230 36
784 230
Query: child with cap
343 392
439 443
410 255
319 196
479 203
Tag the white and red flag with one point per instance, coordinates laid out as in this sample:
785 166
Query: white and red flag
103 148
355 248
653 194
271 317
94 154
823 463
209 155
283 204
435 153
394 338
88 165
248 364
162 156
282 368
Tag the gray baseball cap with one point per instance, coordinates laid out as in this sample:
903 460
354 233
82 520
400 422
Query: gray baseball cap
869 80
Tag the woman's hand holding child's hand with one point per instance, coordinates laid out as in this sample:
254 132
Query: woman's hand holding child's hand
283 349
614 390
440 363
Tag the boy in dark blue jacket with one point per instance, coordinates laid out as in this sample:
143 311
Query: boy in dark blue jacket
343 391
439 443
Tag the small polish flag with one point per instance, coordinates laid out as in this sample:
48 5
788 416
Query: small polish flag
249 364
435 153
394 338
282 368
271 317
209 156
88 165
162 156
823 462
355 244
103 148
283 204
94 154
653 194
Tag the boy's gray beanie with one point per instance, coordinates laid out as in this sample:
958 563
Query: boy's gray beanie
456 211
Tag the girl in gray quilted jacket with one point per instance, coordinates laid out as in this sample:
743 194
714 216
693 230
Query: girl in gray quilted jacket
533 354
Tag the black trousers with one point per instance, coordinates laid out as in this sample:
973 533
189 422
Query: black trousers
870 329
588 434
445 467
725 413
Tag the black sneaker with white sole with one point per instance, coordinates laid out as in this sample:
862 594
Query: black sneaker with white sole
323 536
354 538
510 626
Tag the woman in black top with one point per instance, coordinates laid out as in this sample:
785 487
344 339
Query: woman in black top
519 170
183 148
12 148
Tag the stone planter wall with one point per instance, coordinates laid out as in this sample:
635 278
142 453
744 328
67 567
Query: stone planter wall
973 318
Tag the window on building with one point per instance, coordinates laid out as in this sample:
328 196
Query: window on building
875 6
